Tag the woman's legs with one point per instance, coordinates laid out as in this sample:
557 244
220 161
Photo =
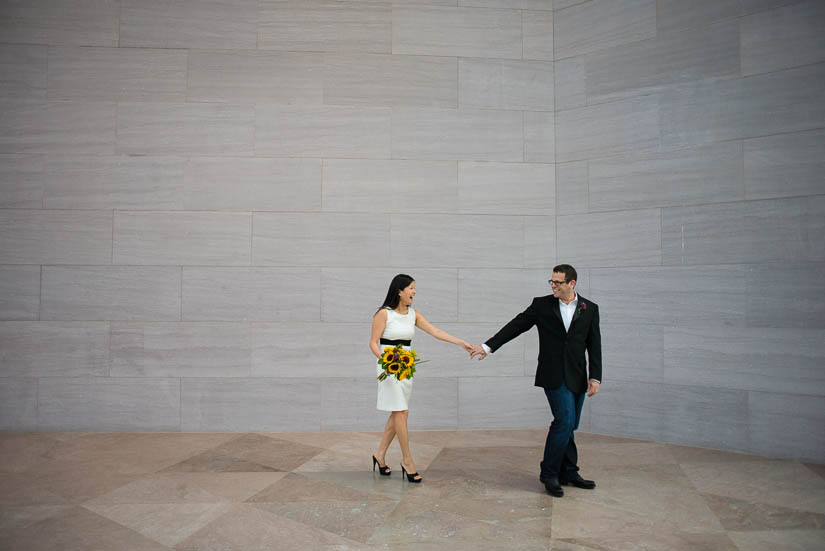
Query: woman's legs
400 418
386 439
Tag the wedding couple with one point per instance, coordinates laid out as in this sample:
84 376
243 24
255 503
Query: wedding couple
568 325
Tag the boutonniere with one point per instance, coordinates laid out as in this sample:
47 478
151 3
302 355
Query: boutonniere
582 307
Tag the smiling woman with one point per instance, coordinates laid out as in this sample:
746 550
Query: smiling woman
393 326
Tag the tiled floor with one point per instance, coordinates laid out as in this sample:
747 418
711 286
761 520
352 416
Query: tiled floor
79 491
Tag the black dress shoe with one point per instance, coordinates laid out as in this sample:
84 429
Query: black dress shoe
578 482
553 488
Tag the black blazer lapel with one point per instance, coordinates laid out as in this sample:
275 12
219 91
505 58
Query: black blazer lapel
556 309
580 307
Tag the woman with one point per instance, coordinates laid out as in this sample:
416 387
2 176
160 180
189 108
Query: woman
394 324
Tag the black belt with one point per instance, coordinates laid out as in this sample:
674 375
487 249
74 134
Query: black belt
396 342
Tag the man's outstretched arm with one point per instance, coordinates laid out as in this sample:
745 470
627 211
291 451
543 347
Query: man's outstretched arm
513 329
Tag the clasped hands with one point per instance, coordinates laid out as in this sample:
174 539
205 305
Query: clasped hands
475 350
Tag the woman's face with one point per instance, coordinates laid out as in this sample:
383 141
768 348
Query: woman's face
406 294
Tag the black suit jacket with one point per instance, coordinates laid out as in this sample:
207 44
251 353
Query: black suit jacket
561 353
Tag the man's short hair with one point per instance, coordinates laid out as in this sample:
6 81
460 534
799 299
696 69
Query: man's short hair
568 271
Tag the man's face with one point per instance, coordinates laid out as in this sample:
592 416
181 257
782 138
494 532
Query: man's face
561 287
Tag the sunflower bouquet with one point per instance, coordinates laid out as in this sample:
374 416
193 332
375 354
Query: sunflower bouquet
397 362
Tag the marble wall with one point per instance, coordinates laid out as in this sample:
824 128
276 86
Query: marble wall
202 203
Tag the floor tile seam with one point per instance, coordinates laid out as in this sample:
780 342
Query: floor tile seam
158 477
101 505
295 521
776 508
641 515
367 499
129 528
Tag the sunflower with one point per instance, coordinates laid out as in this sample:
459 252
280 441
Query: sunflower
394 368
404 375
388 353
406 360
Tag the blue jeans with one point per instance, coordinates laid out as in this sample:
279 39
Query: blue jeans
560 454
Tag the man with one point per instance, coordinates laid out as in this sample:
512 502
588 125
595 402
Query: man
568 324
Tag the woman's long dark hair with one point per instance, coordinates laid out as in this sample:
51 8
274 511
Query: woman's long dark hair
398 283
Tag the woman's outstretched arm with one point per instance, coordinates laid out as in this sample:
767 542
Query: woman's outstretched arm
422 323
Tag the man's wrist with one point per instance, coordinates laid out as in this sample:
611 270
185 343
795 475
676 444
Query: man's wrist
596 381
486 348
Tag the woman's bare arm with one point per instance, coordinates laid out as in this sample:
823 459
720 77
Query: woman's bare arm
379 322
422 323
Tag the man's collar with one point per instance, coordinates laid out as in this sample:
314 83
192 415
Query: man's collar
574 301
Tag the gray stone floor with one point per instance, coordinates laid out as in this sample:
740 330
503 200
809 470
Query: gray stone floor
209 491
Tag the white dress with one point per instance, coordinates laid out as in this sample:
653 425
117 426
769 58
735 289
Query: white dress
394 395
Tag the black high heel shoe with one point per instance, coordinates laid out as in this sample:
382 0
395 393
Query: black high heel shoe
411 476
385 470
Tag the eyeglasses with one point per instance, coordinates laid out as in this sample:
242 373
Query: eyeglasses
553 282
